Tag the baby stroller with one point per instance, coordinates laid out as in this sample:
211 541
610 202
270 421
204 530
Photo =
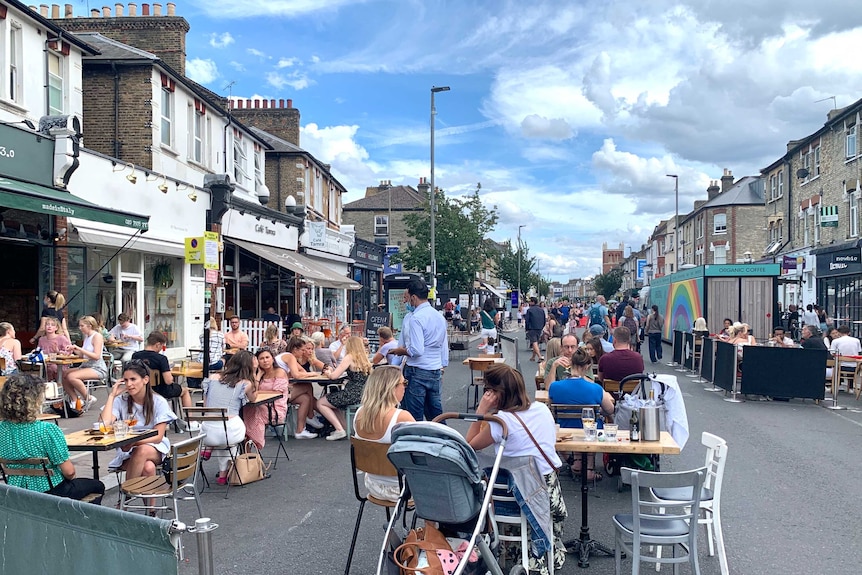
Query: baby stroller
444 478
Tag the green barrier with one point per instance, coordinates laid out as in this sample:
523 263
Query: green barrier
48 534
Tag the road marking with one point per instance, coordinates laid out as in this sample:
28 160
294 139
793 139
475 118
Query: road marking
845 418
303 520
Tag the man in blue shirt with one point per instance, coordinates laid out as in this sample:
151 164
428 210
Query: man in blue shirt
427 352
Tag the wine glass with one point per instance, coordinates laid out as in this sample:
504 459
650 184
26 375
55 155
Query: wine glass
588 416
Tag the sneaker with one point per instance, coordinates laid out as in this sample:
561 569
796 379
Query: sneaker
182 425
194 426
336 435
313 422
305 434
91 401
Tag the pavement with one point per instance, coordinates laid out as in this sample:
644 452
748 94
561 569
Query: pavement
789 500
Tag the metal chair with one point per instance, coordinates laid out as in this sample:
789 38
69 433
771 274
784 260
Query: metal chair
646 525
710 497
504 501
31 467
476 381
213 414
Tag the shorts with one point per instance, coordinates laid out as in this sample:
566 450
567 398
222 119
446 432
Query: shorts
168 391
489 332
533 335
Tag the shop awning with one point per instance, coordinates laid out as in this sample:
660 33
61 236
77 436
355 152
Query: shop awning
494 291
20 195
94 234
299 264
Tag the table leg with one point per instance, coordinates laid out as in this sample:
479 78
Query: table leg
272 421
584 545
95 465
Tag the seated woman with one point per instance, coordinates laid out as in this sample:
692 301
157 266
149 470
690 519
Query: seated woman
700 329
23 436
357 367
271 340
594 349
297 365
10 348
270 377
578 390
375 419
93 368
506 397
230 389
134 402
52 342
321 351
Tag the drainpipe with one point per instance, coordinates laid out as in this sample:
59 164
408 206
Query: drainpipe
116 110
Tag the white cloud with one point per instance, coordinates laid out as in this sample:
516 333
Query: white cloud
228 9
236 66
296 80
286 62
257 53
202 71
222 40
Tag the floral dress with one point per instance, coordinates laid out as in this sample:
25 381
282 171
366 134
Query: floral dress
352 392
257 417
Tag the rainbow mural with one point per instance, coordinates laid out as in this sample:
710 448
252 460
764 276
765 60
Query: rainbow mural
683 306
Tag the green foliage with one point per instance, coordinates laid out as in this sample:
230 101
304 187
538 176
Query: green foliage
507 267
461 226
608 284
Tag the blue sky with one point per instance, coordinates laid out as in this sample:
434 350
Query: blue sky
569 113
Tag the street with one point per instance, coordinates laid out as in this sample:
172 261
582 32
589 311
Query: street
788 501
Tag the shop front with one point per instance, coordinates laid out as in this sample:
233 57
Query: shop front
328 249
368 273
839 283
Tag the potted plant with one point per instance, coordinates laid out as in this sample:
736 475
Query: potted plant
163 275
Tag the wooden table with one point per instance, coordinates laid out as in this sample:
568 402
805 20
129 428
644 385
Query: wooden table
85 441
269 398
195 370
487 359
542 395
574 441
62 362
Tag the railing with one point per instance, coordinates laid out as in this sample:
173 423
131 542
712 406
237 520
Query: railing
256 330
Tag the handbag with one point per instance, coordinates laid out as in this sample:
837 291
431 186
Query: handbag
427 543
248 467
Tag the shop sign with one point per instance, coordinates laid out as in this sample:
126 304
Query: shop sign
316 235
641 267
211 242
840 263
391 268
829 216
26 156
211 276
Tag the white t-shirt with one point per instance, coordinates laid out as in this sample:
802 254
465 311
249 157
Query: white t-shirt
847 345
386 348
541 424
810 318
334 347
118 332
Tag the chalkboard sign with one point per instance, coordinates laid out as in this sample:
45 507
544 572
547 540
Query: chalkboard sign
373 321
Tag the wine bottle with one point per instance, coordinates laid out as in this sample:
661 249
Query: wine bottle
635 426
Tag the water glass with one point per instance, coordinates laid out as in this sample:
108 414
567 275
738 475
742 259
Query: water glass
590 431
121 428
611 431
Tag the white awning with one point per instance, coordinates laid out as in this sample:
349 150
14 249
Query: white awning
494 291
300 264
98 234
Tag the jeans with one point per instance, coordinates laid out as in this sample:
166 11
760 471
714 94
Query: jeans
79 488
422 396
654 346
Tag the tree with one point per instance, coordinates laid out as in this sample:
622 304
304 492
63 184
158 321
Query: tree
608 284
507 266
461 225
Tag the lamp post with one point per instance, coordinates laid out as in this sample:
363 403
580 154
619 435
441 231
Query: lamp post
676 218
519 263
434 90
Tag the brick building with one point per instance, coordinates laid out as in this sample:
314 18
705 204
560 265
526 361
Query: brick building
611 257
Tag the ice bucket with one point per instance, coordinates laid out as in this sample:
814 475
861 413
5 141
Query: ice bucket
650 424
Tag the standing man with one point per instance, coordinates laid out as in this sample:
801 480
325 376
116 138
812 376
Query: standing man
128 333
534 323
598 314
426 351
235 339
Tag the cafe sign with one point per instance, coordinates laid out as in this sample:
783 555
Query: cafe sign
839 263
25 155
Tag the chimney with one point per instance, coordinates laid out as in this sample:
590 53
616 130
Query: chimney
424 186
68 11
726 180
384 185
277 119
172 9
164 36
43 10
713 190
55 11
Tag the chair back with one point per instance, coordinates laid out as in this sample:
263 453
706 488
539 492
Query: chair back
480 364
490 355
31 467
716 457
27 366
2 364
370 457
202 414
646 509
185 456
563 411
155 377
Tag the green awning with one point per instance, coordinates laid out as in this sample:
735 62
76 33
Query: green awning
20 195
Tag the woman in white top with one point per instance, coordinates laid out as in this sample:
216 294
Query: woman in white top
93 367
10 348
375 419
506 397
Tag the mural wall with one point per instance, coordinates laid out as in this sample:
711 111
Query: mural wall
683 306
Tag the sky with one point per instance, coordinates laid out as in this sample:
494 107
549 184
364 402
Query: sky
569 113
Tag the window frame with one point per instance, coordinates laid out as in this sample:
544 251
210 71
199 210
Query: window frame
53 79
715 227
854 214
817 224
850 135
258 169
240 161
14 85
780 184
166 121
715 251
381 220
197 151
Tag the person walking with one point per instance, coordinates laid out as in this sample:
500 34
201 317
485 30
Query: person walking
534 323
427 353
653 328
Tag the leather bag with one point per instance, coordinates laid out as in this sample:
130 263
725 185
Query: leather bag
248 467
427 541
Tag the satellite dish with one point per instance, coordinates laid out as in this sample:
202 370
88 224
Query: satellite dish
802 173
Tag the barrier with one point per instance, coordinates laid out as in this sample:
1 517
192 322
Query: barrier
834 387
707 363
688 352
509 349
677 349
783 372
80 538
725 370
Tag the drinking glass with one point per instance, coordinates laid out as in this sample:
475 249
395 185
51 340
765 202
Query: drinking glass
121 428
611 431
588 416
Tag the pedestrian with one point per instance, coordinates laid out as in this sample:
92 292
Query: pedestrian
427 353
534 320
654 328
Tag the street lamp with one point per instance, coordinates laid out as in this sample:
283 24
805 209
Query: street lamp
676 218
519 263
434 90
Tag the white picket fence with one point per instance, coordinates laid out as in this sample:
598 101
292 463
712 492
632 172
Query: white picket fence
255 329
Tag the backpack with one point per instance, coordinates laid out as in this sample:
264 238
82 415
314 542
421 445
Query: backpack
596 317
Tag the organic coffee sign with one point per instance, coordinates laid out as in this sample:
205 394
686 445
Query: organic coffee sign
845 262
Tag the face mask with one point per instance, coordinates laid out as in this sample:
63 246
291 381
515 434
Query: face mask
410 307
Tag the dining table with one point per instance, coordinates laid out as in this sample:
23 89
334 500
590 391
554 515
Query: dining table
268 398
87 440
61 361
494 359
572 440
188 369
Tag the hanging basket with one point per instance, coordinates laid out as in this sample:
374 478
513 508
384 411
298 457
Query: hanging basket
163 275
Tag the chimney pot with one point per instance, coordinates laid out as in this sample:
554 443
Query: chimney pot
289 103
239 104
281 103
118 10
256 103
55 11
272 103
172 9
106 11
43 10
133 9
265 103
145 9
157 9
68 11
94 13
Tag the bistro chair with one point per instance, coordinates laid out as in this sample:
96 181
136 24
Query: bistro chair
36 368
710 497
477 378
369 457
647 525
176 402
213 414
178 483
35 467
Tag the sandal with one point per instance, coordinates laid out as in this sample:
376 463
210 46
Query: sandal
596 475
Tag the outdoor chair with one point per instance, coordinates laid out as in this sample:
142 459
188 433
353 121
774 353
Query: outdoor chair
477 366
647 525
512 526
710 497
34 467
213 414
563 411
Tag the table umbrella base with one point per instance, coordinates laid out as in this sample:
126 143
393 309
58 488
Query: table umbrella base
584 547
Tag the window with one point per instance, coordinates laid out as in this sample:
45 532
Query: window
817 161
699 224
780 184
14 87
240 160
720 255
258 168
167 116
55 83
333 204
854 213
805 238
197 147
381 225
719 224
773 187
318 191
850 141
806 164
817 224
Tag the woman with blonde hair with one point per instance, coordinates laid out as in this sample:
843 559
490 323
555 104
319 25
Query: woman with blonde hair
54 304
93 367
357 367
10 348
271 340
53 342
376 417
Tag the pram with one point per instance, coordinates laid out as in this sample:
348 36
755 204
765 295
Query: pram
443 477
